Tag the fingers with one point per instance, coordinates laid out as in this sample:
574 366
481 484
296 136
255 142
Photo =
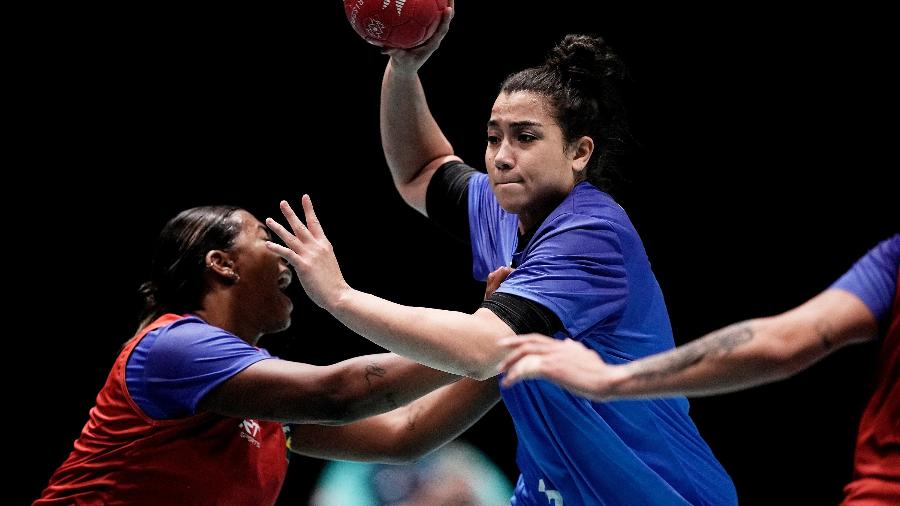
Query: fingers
514 341
286 253
527 348
494 280
444 27
432 44
280 231
294 221
529 367
312 221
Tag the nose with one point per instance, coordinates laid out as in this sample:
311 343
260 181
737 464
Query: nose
503 159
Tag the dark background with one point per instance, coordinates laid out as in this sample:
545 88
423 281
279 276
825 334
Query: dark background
763 174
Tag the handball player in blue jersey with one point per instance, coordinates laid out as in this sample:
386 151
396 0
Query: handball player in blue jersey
864 304
581 273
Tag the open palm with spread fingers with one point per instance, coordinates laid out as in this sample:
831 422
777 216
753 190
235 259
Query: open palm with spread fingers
565 362
310 253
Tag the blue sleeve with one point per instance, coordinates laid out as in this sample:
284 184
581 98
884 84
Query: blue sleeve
873 278
493 231
171 369
576 269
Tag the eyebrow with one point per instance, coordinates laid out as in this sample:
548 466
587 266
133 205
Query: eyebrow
515 124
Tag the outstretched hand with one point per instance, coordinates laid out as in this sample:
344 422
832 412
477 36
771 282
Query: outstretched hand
565 362
409 61
310 254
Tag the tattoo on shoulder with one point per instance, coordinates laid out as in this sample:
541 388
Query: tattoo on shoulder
374 369
718 344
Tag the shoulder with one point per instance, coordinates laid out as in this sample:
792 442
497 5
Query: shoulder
590 202
191 337
588 210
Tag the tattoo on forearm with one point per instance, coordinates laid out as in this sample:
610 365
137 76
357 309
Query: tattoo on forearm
826 334
374 369
714 345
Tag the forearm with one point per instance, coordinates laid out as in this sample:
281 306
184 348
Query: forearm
374 384
729 359
409 134
750 353
405 434
447 340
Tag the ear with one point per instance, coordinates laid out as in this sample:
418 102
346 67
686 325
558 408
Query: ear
220 263
582 151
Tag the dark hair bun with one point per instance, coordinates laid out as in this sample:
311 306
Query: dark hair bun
581 58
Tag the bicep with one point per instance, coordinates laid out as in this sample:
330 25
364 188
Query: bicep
275 390
827 322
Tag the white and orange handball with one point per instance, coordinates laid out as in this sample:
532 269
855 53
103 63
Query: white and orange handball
395 23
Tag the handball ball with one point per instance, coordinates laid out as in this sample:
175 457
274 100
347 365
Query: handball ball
395 23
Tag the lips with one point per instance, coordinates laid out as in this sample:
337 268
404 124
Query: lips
284 279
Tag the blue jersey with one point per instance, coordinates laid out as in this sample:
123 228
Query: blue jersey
174 366
873 278
586 263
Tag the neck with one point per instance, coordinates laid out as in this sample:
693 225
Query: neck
217 309
530 219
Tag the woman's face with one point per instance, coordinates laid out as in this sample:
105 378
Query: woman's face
529 165
264 276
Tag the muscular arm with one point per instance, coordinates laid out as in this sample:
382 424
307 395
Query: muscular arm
413 143
340 393
405 434
733 358
464 344
348 390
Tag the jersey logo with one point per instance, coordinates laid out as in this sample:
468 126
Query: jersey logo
249 431
553 496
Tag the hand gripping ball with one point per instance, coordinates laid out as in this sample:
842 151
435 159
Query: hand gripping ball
395 23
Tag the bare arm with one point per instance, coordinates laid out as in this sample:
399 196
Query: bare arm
464 344
340 393
733 358
405 434
413 143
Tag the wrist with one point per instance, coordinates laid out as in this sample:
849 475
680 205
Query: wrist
338 303
612 383
400 72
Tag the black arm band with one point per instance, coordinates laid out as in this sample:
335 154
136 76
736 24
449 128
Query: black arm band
447 199
523 315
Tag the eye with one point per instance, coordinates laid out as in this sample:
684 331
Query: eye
492 139
526 138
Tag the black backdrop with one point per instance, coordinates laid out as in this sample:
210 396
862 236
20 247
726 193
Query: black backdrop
763 174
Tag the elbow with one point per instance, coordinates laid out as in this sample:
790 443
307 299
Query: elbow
478 367
481 374
408 192
783 360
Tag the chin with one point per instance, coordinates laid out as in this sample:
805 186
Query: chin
280 326
511 201
508 204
